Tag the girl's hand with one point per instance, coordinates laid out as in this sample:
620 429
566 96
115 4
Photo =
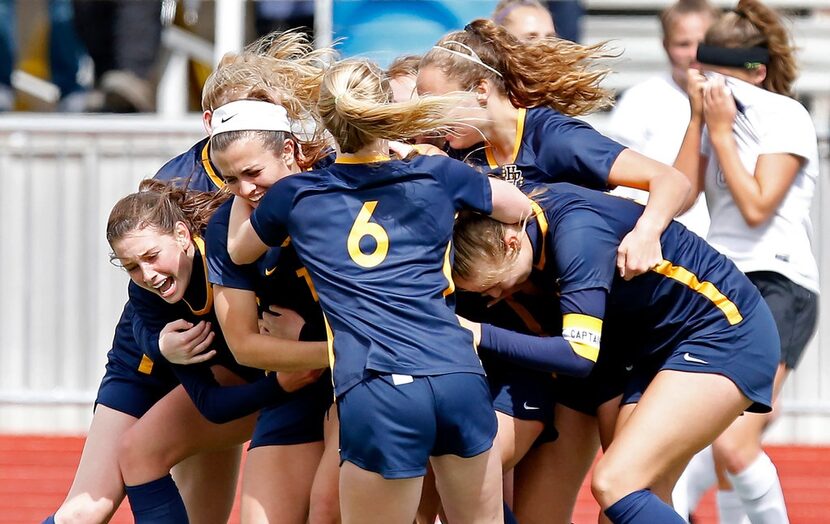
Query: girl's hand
180 342
695 82
475 327
281 323
639 251
291 381
718 107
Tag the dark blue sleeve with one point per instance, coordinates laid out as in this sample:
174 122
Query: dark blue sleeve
270 218
220 404
467 188
571 150
151 315
550 354
221 269
583 246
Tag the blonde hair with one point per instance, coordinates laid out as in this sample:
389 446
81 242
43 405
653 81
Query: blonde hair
480 251
280 68
355 107
160 205
283 68
546 72
752 24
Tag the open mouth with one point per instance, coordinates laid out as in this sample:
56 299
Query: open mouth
165 287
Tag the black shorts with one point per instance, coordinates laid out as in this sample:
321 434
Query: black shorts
795 310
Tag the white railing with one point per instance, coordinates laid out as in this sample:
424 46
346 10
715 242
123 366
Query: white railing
59 296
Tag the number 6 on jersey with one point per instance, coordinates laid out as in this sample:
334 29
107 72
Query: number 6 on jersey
361 228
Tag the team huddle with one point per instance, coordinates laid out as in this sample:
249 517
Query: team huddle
402 302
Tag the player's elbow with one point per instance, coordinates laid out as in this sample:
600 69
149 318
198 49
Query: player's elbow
756 216
582 367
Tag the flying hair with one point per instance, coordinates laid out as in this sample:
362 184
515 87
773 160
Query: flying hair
355 107
549 72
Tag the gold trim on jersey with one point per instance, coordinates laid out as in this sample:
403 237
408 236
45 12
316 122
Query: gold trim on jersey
214 177
329 345
447 269
542 220
707 289
200 245
359 159
146 365
526 317
583 333
517 143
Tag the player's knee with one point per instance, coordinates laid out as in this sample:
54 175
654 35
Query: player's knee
83 509
608 483
733 455
324 508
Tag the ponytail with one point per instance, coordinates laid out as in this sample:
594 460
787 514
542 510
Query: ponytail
548 72
753 24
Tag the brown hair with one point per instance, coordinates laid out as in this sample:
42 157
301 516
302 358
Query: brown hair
160 205
753 24
355 107
478 241
406 65
686 7
546 72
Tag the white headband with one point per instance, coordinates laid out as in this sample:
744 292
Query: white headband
249 115
473 57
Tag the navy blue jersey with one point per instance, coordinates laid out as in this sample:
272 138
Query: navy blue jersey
194 167
551 147
376 239
694 291
278 278
217 403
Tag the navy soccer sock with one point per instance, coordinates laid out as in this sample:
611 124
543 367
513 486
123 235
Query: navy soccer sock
509 518
642 507
157 502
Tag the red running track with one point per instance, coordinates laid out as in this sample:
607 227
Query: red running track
36 471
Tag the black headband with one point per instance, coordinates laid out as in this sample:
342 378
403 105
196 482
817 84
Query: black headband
745 57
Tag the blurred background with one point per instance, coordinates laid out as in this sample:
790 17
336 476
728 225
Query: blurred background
97 95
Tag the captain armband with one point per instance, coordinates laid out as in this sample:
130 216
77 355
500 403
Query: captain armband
583 333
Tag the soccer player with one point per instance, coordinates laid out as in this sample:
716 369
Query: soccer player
375 235
694 323
754 151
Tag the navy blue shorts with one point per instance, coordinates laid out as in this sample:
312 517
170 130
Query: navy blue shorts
607 380
519 392
297 420
747 354
129 391
392 424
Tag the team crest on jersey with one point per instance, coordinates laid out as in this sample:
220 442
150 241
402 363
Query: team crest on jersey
511 173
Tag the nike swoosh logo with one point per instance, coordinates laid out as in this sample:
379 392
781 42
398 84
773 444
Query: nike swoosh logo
629 368
227 118
688 358
531 408
269 272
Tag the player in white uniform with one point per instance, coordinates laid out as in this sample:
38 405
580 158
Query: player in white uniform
651 117
758 160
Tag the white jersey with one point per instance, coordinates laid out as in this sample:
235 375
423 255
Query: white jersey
770 123
651 119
